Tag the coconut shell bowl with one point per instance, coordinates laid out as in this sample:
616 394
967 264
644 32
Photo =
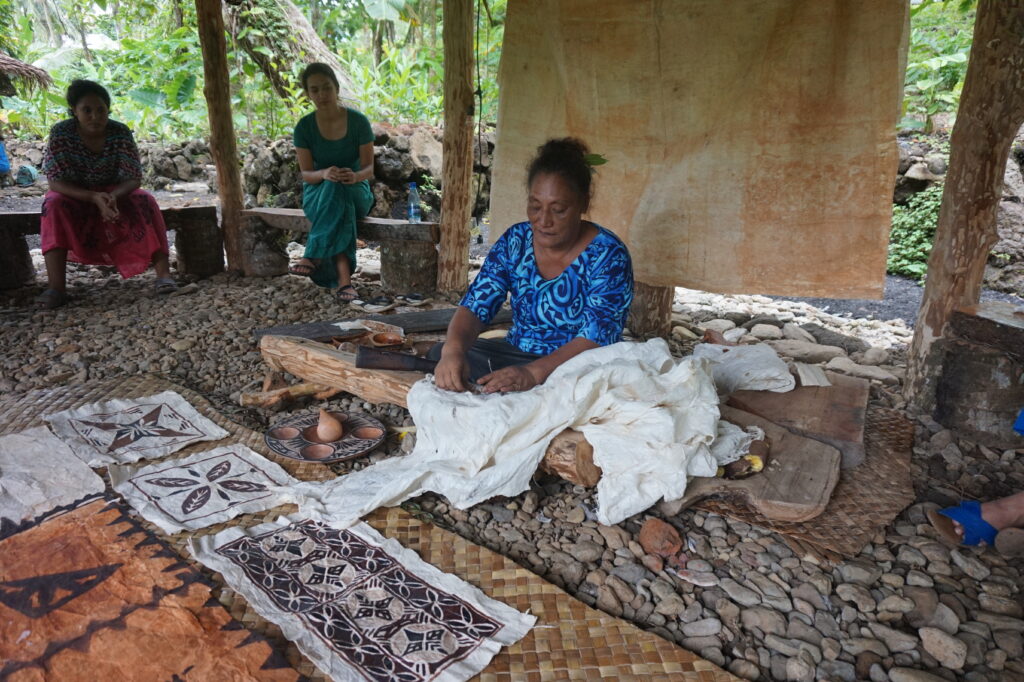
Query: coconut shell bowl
325 436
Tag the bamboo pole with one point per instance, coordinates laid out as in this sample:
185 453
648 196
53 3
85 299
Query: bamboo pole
990 114
457 163
217 89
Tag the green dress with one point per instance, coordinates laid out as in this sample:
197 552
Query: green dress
333 208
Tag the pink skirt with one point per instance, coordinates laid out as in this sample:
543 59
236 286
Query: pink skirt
129 243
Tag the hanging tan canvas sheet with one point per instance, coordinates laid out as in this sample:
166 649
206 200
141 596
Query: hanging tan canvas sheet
750 144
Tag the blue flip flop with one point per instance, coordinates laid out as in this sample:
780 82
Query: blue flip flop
968 515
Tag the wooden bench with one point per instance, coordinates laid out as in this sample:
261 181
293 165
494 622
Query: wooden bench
408 251
198 243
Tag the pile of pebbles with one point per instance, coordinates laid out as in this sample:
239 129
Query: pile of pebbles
907 609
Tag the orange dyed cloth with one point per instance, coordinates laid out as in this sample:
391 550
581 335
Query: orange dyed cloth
92 595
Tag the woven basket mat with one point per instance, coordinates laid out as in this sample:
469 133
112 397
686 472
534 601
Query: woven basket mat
571 641
866 499
23 412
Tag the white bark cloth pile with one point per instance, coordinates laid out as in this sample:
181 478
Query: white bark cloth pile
652 420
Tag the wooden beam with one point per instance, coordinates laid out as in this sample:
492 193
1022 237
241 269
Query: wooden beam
411 323
569 454
457 162
217 89
651 312
176 218
370 229
990 114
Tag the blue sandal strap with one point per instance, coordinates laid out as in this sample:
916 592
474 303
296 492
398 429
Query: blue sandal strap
976 529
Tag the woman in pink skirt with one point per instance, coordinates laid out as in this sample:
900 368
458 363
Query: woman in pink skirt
95 212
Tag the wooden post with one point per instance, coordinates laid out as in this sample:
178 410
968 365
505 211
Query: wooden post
651 312
457 163
991 111
217 89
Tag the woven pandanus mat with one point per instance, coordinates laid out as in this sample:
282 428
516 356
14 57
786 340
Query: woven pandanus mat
866 499
27 411
571 641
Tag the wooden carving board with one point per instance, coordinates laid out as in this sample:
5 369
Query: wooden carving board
831 414
569 455
795 486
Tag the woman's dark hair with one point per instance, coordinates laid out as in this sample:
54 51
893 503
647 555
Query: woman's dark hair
318 69
565 157
80 88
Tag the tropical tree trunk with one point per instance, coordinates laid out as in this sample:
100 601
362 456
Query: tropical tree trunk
991 111
280 38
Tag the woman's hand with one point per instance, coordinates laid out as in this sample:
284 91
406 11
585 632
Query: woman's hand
347 176
334 174
107 205
452 372
508 380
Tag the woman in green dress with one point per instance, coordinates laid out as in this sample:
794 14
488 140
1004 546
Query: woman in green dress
334 148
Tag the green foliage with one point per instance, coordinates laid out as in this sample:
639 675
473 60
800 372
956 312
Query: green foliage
940 43
147 53
913 231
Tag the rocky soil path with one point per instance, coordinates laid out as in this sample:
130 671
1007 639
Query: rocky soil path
907 609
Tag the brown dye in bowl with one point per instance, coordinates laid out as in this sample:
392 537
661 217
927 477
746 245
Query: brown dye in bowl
367 433
387 339
317 451
284 432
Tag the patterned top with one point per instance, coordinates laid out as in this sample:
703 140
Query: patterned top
343 153
589 300
67 158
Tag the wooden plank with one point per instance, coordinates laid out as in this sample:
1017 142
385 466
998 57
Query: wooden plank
651 312
217 90
176 218
411 323
457 159
370 229
831 414
570 455
990 114
795 486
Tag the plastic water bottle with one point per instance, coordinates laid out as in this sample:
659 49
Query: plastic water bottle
414 203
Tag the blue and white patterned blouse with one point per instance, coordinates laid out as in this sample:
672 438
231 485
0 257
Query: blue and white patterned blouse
590 299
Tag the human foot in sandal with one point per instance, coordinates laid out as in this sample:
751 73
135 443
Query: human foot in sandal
51 299
304 268
972 523
165 285
346 294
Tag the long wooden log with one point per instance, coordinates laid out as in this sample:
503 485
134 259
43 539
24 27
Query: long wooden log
990 114
457 161
217 89
369 228
569 455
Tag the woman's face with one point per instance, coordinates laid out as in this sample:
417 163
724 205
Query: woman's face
321 91
92 114
554 209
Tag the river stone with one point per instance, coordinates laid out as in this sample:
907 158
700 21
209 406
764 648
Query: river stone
597 577
614 537
744 669
1000 605
925 600
913 675
858 595
831 648
919 579
713 654
797 669
970 565
608 602
621 589
576 515
1001 622
894 639
767 620
740 594
702 628
718 325
946 649
841 670
826 624
671 605
808 593
765 332
631 573
976 647
847 366
850 344
911 557
896 603
858 645
945 619
586 551
860 572
801 351
1010 642
794 332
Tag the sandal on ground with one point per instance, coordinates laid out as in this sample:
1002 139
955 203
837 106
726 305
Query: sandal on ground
412 299
377 304
51 299
968 515
165 285
346 294
302 269
1010 542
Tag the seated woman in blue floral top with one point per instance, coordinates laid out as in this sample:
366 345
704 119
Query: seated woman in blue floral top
571 283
